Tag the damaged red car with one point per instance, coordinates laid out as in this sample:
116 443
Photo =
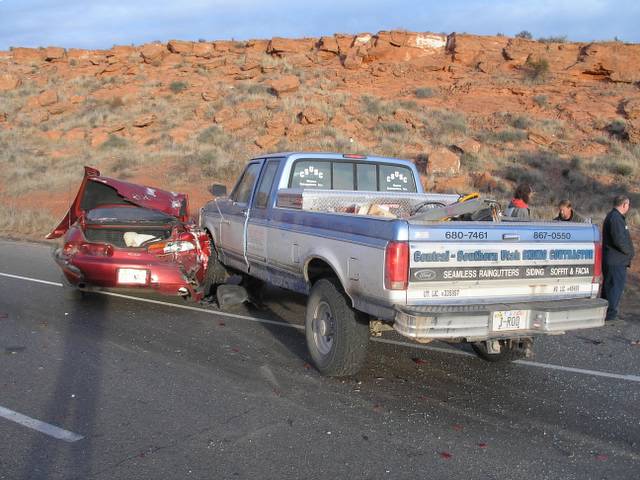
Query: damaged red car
127 236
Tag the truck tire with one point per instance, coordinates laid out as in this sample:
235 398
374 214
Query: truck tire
215 275
509 352
337 335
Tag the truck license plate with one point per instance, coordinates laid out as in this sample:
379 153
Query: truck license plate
132 276
509 320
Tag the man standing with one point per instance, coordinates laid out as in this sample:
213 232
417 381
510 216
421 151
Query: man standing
617 252
566 213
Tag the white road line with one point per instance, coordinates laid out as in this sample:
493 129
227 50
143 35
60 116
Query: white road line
29 279
548 366
204 310
46 428
595 373
423 347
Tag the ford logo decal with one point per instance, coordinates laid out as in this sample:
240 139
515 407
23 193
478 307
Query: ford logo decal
425 275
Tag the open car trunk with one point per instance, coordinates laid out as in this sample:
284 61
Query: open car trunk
127 226
96 191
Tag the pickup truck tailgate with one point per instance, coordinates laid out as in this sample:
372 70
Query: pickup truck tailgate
492 263
478 281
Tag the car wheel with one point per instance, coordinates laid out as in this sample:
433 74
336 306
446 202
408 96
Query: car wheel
337 335
510 350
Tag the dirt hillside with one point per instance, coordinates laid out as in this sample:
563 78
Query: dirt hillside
474 112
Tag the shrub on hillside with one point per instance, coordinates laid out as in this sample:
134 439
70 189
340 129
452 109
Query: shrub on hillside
520 122
524 34
424 92
553 39
541 100
503 136
114 141
536 70
177 87
618 129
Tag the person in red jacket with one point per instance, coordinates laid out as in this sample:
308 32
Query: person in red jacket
519 205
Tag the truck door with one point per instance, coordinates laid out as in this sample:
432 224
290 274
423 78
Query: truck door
235 213
258 224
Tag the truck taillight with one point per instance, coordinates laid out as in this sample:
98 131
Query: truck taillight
597 263
396 266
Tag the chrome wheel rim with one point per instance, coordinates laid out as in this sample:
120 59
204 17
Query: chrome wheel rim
323 328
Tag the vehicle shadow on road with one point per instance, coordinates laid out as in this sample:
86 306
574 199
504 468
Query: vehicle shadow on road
74 399
292 339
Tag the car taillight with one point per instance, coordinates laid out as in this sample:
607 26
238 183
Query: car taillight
96 249
396 266
165 248
70 248
597 263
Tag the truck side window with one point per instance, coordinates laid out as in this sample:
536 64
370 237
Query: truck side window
343 176
242 192
311 174
366 176
393 178
266 182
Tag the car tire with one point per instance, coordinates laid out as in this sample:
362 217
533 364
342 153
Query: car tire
509 352
337 335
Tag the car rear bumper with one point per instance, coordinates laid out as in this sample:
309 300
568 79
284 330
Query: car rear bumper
94 272
474 322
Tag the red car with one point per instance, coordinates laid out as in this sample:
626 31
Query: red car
121 235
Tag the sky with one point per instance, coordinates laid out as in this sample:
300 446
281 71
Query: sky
102 24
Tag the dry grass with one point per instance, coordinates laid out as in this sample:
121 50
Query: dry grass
17 222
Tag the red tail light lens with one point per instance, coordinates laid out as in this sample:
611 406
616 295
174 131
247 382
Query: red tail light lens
396 266
70 248
597 262
96 249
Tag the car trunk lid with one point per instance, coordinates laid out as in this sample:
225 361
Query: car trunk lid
96 190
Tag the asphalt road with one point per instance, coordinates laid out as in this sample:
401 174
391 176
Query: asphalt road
172 390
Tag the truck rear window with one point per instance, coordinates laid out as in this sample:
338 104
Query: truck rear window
345 175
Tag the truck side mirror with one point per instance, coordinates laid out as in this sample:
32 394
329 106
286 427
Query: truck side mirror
218 190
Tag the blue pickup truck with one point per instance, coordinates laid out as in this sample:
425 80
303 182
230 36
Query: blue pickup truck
374 252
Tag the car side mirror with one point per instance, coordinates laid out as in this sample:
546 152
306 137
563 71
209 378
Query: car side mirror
218 190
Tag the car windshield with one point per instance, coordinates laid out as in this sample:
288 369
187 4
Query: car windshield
132 214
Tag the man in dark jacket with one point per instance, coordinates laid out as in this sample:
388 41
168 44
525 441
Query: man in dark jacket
617 252
566 213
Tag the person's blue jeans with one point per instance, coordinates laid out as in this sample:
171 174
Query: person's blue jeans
615 277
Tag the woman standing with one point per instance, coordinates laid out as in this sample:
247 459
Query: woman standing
519 205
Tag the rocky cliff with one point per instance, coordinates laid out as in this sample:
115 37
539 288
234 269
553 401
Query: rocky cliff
473 112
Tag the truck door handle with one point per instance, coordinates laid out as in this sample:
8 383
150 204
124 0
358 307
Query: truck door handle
510 236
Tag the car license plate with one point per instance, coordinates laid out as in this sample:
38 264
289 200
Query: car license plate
509 320
132 276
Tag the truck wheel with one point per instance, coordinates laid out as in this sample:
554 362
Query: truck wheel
509 351
337 335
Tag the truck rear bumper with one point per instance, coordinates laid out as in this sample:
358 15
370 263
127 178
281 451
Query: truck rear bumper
475 322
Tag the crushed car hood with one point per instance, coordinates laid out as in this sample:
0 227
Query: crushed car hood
96 190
